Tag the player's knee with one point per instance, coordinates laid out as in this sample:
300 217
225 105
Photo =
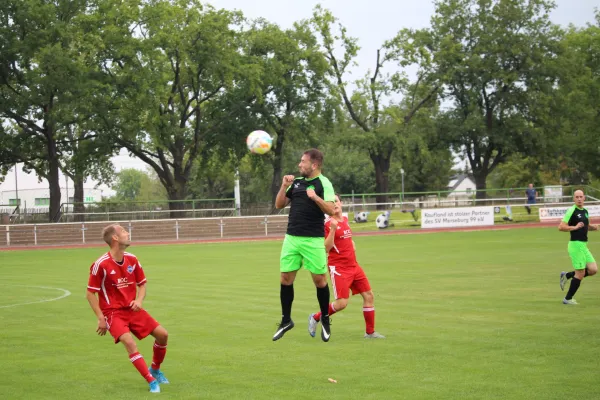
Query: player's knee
341 304
287 278
320 281
161 335
592 269
368 297
129 343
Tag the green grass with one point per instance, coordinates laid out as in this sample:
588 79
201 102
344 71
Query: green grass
472 315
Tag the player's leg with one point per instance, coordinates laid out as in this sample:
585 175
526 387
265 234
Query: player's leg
118 327
591 268
578 259
340 284
161 337
290 262
315 260
362 286
141 324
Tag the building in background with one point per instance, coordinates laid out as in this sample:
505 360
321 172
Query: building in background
38 199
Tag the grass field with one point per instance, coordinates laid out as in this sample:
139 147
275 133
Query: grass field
471 315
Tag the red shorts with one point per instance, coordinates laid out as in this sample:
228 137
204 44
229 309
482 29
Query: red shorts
140 323
343 279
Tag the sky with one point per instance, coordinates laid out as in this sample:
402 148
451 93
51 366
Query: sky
372 22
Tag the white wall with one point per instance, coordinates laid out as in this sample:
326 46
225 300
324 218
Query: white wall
27 196
460 190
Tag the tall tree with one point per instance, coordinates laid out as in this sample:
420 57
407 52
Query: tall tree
366 105
44 75
492 60
170 77
291 85
576 105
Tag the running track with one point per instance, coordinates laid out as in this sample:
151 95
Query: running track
262 238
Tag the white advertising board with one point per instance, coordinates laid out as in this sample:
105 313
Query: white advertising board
457 217
557 213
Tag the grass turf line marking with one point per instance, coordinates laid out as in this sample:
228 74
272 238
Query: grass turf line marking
65 294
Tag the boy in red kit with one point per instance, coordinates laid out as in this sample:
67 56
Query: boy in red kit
345 273
118 306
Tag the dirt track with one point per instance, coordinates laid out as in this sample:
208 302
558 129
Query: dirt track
280 236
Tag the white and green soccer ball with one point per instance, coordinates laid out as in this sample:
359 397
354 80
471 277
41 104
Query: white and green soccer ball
259 142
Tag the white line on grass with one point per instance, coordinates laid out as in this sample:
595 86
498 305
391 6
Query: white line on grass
65 294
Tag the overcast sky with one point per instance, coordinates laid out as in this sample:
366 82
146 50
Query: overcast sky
372 22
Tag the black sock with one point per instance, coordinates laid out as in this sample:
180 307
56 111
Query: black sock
586 272
287 298
570 275
323 297
573 288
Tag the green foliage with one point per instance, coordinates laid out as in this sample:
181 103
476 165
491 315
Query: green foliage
169 76
48 78
377 128
496 84
134 185
576 106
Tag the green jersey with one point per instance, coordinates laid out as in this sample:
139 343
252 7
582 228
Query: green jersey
574 216
306 218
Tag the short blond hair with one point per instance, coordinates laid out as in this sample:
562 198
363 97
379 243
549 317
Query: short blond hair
108 233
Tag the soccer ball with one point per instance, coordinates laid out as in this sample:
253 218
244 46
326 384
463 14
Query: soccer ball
259 142
361 216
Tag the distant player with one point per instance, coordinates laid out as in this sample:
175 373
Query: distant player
311 196
345 273
118 306
577 222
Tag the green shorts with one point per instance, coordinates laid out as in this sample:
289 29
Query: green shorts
299 249
580 254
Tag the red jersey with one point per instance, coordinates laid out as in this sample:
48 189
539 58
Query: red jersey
116 284
342 254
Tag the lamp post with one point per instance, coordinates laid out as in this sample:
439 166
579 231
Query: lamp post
17 189
402 196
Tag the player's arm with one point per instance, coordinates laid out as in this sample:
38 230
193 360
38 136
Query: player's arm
94 284
325 206
136 305
564 224
594 227
327 203
564 227
281 201
330 238
140 280
95 305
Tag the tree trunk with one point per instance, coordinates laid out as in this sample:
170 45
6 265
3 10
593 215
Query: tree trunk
277 166
382 168
53 177
78 200
177 193
480 185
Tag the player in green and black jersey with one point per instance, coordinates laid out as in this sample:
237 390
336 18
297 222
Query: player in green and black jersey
577 222
311 197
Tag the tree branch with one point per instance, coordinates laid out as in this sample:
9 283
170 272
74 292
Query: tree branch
412 112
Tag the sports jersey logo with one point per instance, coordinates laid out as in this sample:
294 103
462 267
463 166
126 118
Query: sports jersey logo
130 268
296 185
112 272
